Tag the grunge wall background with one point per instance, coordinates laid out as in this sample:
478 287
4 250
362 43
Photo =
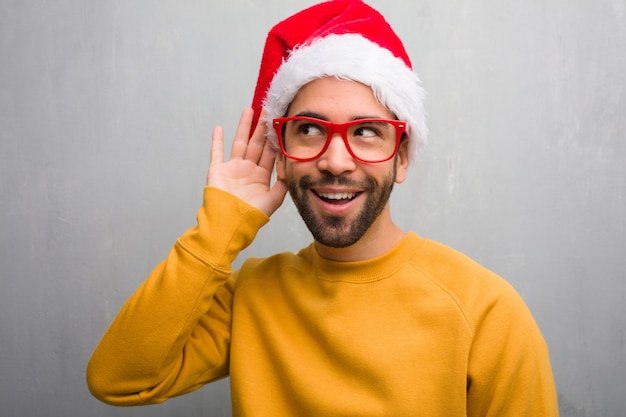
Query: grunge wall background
106 110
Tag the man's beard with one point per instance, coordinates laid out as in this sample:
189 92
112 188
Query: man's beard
337 231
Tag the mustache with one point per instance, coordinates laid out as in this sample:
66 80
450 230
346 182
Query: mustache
327 179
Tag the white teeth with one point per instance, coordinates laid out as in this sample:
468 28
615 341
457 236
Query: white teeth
338 196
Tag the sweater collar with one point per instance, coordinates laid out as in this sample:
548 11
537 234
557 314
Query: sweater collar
369 270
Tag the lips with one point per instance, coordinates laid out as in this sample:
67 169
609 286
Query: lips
345 196
337 191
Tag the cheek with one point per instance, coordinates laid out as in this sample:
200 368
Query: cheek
289 170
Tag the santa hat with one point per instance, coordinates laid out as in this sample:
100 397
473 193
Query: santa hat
346 39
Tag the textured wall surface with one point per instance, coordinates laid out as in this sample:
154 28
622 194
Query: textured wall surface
106 110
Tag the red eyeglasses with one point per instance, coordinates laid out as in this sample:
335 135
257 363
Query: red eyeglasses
304 138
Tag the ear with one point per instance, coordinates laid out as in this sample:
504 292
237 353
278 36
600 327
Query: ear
402 161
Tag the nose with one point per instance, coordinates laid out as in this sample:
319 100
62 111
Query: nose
336 159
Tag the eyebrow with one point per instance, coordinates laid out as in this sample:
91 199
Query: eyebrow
321 117
312 115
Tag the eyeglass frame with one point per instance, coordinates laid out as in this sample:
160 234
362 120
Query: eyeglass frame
341 128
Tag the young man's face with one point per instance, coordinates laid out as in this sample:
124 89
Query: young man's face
338 197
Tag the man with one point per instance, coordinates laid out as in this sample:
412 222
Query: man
368 320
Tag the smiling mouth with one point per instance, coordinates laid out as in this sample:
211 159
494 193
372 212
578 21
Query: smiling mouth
337 197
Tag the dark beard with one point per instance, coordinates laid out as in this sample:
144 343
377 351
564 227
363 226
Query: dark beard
335 231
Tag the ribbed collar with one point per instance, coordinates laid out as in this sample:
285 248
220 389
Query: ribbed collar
369 270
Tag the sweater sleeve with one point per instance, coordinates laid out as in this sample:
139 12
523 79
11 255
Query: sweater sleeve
173 334
509 371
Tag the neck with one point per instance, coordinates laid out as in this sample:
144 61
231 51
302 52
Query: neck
379 238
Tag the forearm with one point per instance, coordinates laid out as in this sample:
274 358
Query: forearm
181 311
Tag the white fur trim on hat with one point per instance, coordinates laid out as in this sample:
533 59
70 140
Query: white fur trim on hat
351 56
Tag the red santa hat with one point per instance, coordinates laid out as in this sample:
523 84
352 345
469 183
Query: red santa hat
346 39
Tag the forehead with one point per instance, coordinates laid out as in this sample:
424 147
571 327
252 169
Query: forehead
338 99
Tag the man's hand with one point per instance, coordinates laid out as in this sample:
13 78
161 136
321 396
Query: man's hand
247 174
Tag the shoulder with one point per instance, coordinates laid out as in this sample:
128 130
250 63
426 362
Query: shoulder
479 291
275 265
456 270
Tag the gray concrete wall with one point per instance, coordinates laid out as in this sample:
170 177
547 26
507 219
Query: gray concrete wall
106 109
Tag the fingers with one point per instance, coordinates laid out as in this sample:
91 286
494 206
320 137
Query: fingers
245 147
256 144
267 158
240 143
254 149
217 145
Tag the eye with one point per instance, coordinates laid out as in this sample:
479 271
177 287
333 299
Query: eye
310 129
366 131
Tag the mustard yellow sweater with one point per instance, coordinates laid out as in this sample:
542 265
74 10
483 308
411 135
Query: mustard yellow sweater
419 331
